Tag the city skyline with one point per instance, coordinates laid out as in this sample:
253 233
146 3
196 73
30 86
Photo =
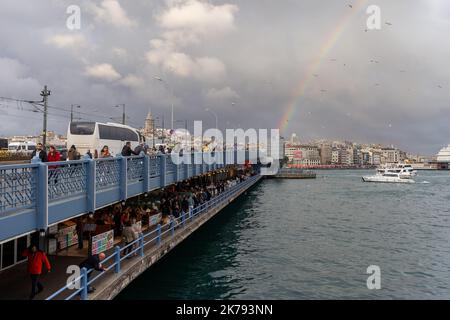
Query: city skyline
382 86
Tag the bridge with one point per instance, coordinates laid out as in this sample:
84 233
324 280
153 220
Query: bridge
38 195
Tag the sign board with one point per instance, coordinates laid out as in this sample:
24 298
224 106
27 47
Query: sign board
102 242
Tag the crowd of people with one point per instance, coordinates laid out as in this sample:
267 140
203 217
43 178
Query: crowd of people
53 155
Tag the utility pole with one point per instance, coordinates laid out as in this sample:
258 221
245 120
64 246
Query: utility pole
153 133
163 131
123 114
45 93
71 112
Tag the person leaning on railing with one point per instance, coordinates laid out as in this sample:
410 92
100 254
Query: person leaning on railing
104 153
94 262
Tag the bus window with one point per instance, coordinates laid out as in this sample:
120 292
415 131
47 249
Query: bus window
82 128
116 133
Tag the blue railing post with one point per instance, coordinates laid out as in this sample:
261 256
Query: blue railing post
146 173
123 177
172 227
84 284
90 183
117 259
42 196
162 170
158 228
141 244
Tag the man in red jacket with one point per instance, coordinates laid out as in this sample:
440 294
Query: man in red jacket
35 260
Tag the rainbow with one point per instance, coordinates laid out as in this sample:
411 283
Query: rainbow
331 40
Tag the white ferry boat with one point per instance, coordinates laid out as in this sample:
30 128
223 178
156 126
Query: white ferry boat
399 173
444 154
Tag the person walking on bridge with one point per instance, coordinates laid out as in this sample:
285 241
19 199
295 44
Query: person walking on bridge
35 260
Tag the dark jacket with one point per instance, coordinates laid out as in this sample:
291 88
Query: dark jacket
73 154
93 262
126 151
42 155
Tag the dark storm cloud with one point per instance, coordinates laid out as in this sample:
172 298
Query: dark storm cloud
243 59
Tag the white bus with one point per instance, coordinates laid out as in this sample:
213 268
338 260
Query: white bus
94 135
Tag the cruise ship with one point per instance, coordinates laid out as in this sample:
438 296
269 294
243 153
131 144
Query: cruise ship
444 154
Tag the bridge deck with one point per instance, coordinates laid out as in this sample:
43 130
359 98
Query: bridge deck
36 196
111 283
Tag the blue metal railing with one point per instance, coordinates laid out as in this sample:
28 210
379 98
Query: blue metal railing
152 238
35 196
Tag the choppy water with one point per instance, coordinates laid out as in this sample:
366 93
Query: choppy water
314 239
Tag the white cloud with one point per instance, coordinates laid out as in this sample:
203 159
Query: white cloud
111 12
120 52
102 71
67 41
186 23
221 94
199 17
132 81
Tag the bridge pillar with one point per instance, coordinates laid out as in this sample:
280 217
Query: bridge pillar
123 178
162 170
177 172
146 173
42 197
90 184
186 170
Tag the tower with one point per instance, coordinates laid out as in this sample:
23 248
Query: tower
149 124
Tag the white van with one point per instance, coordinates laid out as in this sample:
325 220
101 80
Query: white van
22 147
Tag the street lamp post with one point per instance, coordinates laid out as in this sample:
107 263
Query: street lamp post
71 111
215 115
123 112
171 93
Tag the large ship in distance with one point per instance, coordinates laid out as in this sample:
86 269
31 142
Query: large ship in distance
444 154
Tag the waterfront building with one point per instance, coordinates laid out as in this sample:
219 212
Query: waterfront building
390 155
336 156
299 154
325 154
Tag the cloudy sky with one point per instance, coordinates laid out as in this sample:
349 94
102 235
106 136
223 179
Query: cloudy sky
246 60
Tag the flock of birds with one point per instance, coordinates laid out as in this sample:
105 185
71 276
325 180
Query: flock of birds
371 61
